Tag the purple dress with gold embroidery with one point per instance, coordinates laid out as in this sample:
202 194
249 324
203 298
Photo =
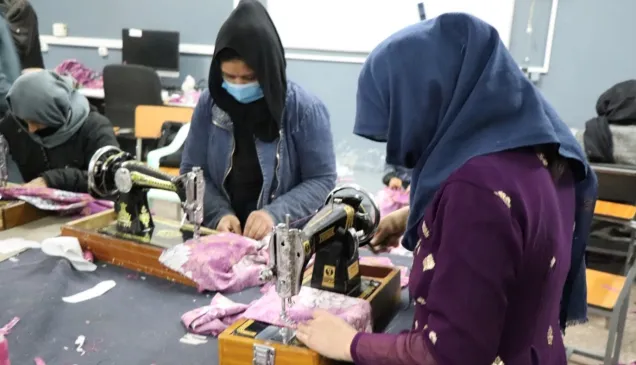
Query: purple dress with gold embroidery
488 271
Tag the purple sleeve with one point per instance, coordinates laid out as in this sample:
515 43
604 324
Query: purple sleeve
479 248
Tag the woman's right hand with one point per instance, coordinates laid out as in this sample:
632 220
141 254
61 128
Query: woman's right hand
389 231
229 223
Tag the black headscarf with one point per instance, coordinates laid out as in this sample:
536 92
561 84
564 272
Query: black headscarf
250 32
615 106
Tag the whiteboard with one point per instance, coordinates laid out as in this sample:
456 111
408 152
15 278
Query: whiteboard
360 25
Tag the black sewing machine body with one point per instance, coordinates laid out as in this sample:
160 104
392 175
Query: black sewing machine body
116 174
333 235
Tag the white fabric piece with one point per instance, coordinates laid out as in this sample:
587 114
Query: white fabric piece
14 246
94 292
70 249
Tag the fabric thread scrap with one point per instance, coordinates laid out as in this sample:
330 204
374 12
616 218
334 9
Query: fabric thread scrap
222 312
223 262
60 201
4 330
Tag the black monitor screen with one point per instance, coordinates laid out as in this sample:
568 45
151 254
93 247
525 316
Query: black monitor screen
156 49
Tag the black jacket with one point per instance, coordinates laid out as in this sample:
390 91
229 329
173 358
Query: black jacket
23 22
63 167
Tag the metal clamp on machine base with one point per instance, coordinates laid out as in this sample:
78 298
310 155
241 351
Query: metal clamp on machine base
263 355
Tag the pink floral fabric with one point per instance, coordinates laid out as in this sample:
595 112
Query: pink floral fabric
60 201
390 200
84 76
216 317
223 262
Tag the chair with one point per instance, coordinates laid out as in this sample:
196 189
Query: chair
150 118
615 208
608 296
154 158
126 87
148 122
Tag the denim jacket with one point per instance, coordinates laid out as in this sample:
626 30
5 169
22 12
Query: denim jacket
299 167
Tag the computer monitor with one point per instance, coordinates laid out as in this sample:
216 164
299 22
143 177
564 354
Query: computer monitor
152 48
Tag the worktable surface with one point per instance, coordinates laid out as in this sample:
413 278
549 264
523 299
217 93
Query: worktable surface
137 322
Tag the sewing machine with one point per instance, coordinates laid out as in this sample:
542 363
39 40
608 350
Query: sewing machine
13 213
333 237
129 235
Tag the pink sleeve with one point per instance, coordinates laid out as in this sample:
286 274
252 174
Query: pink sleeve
479 248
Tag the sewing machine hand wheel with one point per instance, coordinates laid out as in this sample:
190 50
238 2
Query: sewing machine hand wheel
368 206
100 181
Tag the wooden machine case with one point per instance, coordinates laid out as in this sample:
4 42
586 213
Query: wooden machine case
135 253
14 213
238 344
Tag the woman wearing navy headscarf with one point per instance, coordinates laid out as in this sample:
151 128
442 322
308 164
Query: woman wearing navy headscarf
499 185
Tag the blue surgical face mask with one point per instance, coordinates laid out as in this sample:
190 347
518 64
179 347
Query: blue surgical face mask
244 93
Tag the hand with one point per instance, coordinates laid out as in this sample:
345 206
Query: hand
36 183
328 335
390 229
408 189
395 183
229 223
258 225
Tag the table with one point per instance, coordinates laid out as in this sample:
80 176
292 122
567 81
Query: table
137 322
98 94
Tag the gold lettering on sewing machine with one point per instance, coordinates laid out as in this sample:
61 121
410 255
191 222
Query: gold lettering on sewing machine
327 234
350 215
144 216
329 276
353 270
123 217
307 248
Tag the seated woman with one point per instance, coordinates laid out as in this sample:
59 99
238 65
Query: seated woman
263 142
52 131
498 185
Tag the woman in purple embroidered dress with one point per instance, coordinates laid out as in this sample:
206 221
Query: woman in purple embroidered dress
498 185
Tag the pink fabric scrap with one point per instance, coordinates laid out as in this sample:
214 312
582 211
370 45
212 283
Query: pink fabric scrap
223 262
389 200
215 318
4 330
60 201
39 361
4 351
84 76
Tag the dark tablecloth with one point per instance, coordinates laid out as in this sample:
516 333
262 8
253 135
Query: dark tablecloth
136 323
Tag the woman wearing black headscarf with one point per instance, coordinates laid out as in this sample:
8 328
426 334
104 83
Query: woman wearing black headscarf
264 143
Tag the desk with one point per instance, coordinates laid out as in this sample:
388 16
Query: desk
137 322
98 94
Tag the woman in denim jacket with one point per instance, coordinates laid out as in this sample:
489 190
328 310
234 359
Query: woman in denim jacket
263 142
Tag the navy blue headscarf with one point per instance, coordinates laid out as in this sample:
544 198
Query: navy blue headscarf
445 90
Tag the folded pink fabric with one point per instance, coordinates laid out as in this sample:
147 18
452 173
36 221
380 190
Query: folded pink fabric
224 262
60 201
213 319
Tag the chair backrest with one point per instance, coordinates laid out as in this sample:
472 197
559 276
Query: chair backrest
126 87
616 183
149 119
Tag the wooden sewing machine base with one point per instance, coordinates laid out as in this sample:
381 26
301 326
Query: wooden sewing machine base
14 213
98 234
252 342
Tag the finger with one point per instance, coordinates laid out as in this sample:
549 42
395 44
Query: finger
236 227
249 226
302 336
222 227
262 231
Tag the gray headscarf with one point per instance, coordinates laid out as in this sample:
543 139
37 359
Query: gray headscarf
49 99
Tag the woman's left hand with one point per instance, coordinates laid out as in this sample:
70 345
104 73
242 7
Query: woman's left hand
328 335
258 225
36 183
